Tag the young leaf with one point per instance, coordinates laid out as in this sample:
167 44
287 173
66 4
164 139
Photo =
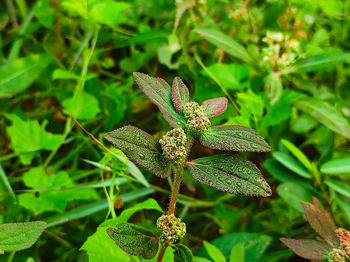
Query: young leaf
214 252
224 42
134 240
19 236
141 148
237 253
321 222
231 174
292 164
180 94
215 106
182 254
234 138
307 248
336 166
159 92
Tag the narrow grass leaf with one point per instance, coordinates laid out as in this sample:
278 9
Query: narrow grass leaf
292 164
234 138
297 153
230 173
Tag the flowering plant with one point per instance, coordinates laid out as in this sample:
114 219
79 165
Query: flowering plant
226 172
333 243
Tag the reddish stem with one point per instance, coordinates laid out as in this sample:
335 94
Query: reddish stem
161 254
174 193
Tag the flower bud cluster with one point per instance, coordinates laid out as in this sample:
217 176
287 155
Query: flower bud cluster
344 239
173 146
197 121
337 255
172 229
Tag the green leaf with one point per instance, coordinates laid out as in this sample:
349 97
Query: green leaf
282 173
180 94
51 198
17 76
19 236
148 204
231 174
5 182
234 138
339 187
28 137
251 105
254 245
230 76
294 195
325 114
336 166
108 12
141 148
237 253
214 252
274 87
134 240
159 92
297 153
318 62
83 106
45 13
224 42
308 248
292 164
215 106
182 254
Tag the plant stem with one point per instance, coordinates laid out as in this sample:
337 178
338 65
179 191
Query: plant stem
175 192
161 254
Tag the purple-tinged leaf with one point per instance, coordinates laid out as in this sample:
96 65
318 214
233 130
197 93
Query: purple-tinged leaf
159 92
141 148
229 173
134 240
308 248
234 138
215 106
321 221
180 94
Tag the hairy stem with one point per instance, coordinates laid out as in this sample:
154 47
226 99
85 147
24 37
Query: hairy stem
161 254
175 192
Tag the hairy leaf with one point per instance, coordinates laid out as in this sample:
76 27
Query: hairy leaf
307 248
159 92
19 236
230 173
182 254
215 106
234 138
134 240
321 222
180 94
141 148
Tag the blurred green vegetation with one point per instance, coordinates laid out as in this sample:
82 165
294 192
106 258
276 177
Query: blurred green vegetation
283 65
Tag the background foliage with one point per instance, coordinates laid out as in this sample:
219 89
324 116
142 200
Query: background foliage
283 65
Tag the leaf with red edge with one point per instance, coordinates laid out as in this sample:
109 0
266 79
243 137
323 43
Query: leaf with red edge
180 94
321 221
215 106
229 173
141 148
308 248
159 92
134 240
234 138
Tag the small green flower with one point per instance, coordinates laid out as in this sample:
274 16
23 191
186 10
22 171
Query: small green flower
197 121
337 255
173 146
172 229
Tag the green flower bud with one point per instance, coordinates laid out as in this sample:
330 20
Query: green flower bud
197 121
172 229
173 146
